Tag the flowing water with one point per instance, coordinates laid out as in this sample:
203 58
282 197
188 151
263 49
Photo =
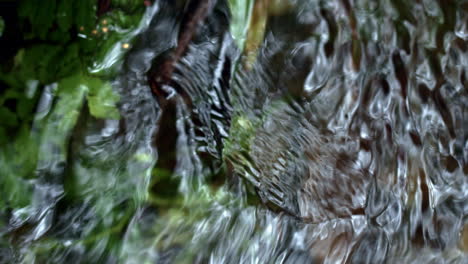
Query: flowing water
342 139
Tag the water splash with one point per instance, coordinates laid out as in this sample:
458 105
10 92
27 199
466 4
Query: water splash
343 141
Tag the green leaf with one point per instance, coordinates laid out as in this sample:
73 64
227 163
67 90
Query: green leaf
59 37
123 20
18 160
107 53
17 163
67 62
27 9
85 13
55 129
102 100
32 64
7 117
65 15
24 108
44 20
39 15
241 11
67 110
128 5
46 66
9 94
35 65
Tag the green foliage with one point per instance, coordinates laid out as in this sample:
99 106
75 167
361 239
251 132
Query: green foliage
38 15
45 18
83 13
64 15
17 163
103 52
127 5
42 62
31 69
8 117
71 91
18 159
102 99
241 12
65 41
97 49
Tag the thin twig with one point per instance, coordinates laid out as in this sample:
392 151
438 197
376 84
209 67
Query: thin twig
163 74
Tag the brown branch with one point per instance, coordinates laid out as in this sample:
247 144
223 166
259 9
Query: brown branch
163 74
103 7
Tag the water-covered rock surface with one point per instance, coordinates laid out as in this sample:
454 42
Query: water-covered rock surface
325 132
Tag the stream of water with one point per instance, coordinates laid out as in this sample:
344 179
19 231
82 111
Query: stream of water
344 140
